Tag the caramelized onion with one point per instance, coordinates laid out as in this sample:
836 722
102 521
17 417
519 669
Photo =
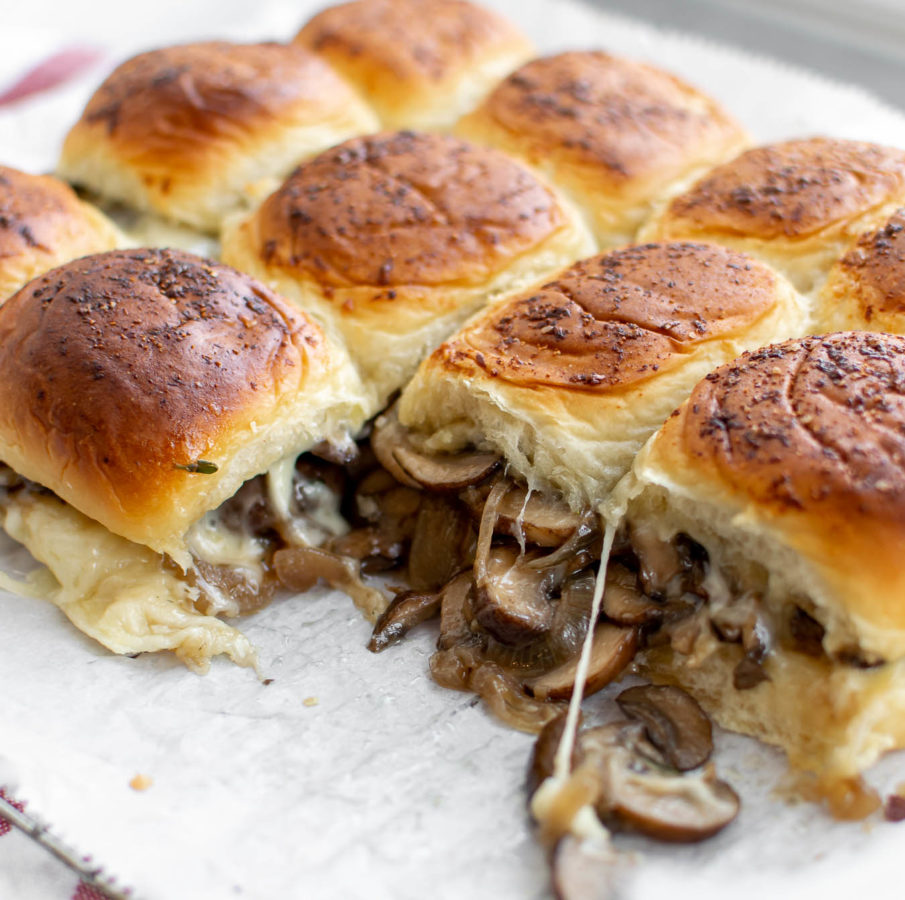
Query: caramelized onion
300 568
463 668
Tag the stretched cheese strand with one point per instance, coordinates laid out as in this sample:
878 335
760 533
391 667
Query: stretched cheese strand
558 804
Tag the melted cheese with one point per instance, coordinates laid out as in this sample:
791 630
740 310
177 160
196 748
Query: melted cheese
320 518
559 803
115 591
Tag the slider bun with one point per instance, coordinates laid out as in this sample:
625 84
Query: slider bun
419 63
788 466
569 379
187 132
796 205
614 134
121 367
865 290
830 718
394 240
43 224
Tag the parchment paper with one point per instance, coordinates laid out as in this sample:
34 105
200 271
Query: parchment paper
386 786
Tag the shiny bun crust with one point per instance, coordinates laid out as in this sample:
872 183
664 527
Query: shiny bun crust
119 372
419 63
188 131
43 224
797 205
616 135
568 380
394 240
791 462
865 290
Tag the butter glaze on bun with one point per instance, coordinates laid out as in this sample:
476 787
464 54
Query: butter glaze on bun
614 134
43 224
122 369
419 63
568 380
788 467
187 132
865 290
395 239
796 205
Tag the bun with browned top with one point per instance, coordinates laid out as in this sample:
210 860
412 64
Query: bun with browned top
419 63
614 134
569 379
786 468
865 290
43 224
187 132
393 240
797 205
131 366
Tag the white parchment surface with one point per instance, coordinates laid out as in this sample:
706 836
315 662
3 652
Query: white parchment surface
382 785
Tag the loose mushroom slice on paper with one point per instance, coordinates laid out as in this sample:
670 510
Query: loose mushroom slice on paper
673 722
639 791
406 610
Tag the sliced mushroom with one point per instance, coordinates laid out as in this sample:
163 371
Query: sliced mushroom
673 722
300 568
612 650
386 436
640 792
443 543
406 610
455 612
512 600
623 601
375 549
660 560
541 518
447 471
435 472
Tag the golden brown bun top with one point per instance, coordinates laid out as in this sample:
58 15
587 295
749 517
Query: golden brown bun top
169 106
792 189
876 269
815 425
628 119
120 367
34 210
408 40
405 208
612 321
